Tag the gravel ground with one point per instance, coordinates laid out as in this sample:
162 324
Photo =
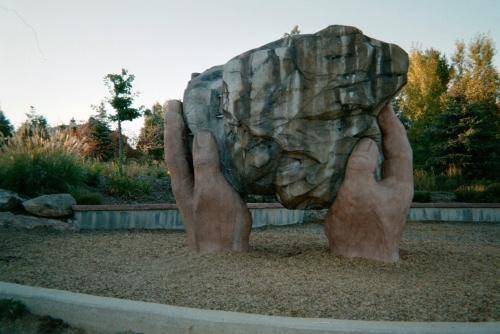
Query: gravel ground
448 272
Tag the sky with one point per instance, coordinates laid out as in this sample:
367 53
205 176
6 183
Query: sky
54 54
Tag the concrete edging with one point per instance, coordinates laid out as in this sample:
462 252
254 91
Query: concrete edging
166 216
111 315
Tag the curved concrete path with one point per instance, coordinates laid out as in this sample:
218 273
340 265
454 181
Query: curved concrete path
112 315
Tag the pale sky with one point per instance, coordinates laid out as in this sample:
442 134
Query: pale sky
55 53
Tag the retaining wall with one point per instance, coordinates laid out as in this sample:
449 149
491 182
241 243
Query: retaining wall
113 315
166 216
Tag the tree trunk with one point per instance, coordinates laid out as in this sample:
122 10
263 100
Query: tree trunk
120 148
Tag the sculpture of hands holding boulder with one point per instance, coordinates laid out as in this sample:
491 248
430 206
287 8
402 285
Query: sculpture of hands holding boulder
285 119
215 216
367 217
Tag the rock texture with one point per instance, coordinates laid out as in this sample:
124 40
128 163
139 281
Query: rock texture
53 206
8 219
9 200
287 115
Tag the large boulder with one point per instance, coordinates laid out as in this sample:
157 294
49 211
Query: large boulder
9 200
53 206
287 115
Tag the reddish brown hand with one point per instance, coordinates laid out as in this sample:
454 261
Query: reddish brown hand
215 217
367 218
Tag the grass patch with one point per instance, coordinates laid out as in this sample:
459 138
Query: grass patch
11 309
127 188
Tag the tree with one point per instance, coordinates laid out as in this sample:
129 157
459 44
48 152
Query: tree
121 99
421 100
35 125
467 134
100 134
6 129
151 136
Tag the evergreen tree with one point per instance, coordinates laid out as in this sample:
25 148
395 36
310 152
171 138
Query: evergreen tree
100 134
466 136
151 136
35 124
6 129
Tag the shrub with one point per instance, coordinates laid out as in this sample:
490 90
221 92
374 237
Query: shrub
94 177
38 165
479 193
86 197
126 187
492 192
40 172
422 196
11 309
424 180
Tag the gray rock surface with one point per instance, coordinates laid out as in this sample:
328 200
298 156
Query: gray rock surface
287 115
8 219
9 200
53 206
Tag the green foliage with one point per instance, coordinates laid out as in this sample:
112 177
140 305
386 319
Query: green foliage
422 196
151 136
126 187
6 129
101 136
479 193
86 197
121 99
420 100
35 125
40 172
49 325
451 111
466 135
11 309
35 165
424 180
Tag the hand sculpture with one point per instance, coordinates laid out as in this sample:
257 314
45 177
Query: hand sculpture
367 218
215 217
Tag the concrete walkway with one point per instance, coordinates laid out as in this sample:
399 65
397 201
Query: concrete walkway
112 315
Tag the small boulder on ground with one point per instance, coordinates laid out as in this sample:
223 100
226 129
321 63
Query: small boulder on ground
52 206
30 222
9 200
8 219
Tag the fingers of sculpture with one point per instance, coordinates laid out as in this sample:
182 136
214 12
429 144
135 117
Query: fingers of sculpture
176 150
362 162
397 163
205 156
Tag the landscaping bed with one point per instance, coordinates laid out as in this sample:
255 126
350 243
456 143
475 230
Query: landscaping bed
448 272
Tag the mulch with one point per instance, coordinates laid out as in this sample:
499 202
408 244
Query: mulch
448 272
